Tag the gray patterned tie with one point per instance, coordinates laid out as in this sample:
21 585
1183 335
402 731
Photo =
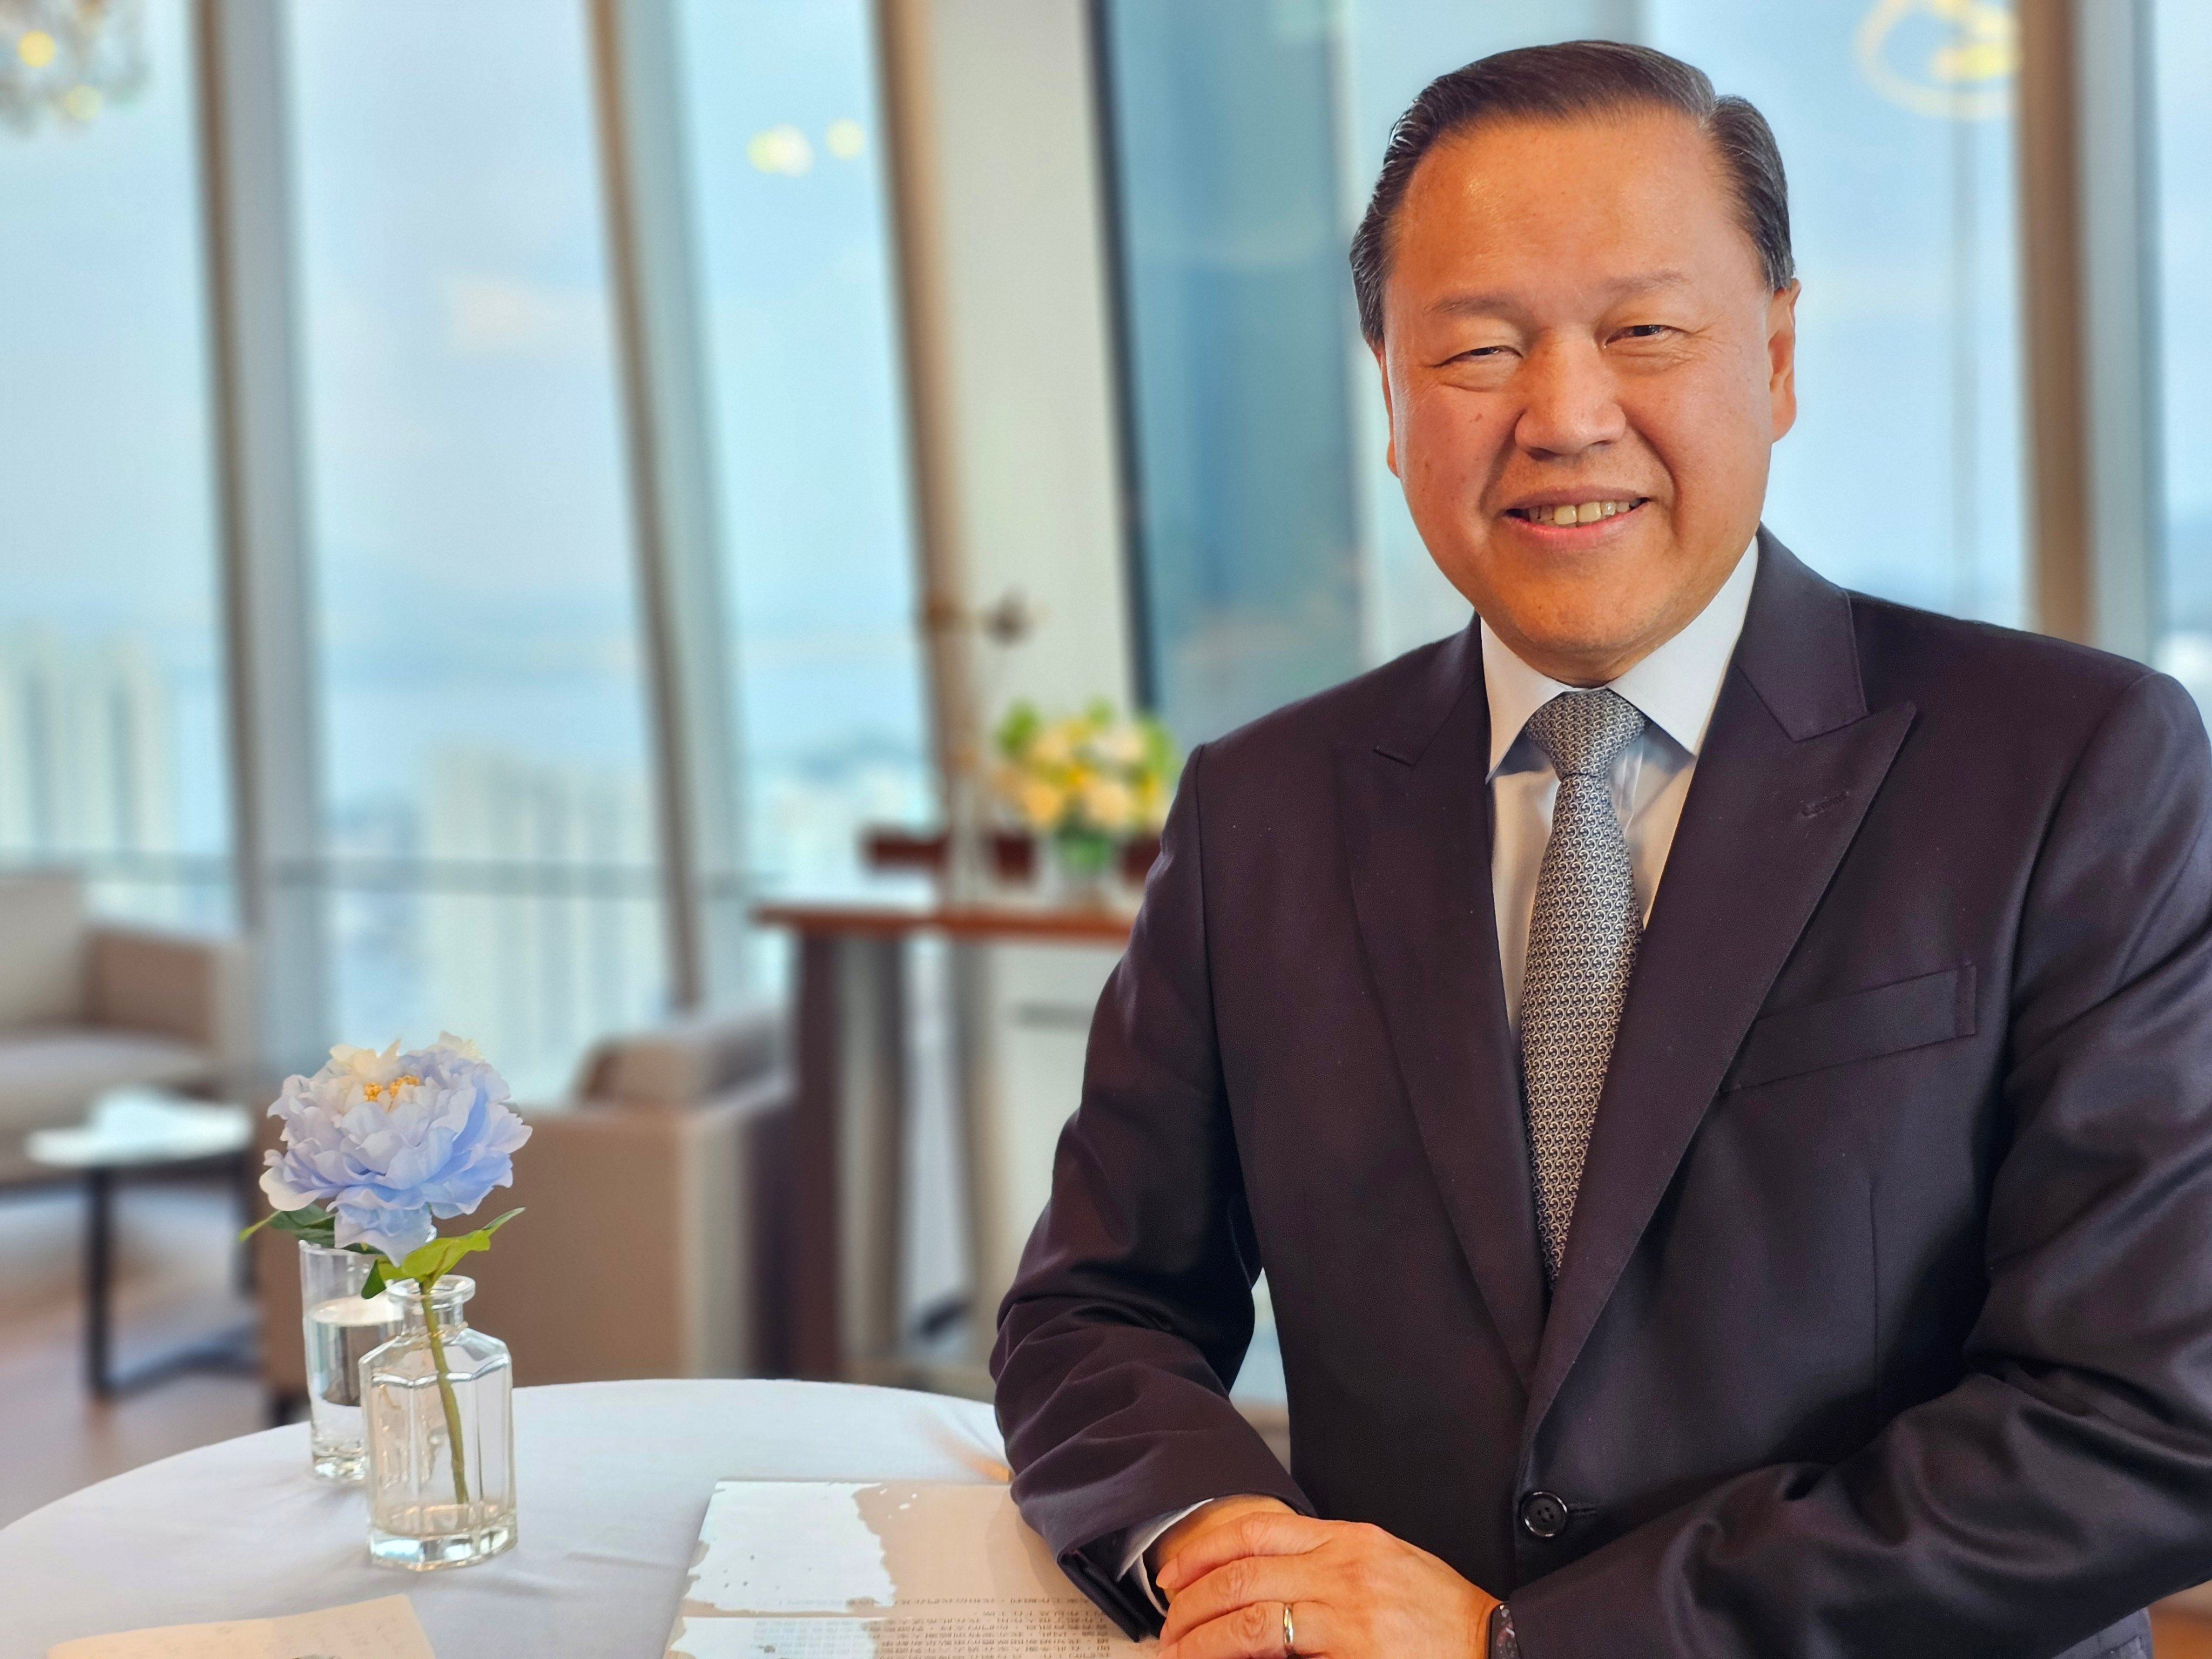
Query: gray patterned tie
1582 935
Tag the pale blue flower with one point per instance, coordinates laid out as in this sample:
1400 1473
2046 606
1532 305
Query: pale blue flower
387 1141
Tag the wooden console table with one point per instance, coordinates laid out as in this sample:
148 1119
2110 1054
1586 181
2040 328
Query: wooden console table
849 1119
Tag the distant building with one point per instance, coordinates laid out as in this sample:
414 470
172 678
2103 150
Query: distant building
88 754
540 913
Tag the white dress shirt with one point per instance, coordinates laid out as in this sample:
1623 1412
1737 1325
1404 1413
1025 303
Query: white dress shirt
1675 689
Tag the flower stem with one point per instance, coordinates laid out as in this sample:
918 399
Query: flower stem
453 1448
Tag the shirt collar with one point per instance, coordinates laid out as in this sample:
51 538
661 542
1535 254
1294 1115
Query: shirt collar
1675 687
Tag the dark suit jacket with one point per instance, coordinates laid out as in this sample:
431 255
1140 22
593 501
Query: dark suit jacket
1885 1322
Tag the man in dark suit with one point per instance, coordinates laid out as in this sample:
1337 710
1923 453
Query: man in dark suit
1716 1070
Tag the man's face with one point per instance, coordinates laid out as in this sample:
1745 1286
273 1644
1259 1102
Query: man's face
1576 318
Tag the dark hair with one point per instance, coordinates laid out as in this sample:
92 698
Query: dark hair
1558 83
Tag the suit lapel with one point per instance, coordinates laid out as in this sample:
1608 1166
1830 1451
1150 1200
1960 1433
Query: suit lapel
1790 763
1416 818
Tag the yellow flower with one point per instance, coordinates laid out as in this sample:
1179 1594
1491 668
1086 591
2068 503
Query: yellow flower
1053 746
1152 803
1107 805
1040 803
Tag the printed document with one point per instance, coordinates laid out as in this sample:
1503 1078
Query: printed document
817 1570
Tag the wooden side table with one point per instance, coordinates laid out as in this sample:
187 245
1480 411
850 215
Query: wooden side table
849 1116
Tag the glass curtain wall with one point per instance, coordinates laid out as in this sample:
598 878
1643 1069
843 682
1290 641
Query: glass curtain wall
488 820
1392 49
112 729
1222 125
2181 128
1272 547
792 227
1904 475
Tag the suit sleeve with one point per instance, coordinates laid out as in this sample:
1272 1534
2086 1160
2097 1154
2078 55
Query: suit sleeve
1133 1307
2067 1480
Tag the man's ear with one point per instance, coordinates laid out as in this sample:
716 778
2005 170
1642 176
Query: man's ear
1782 354
1389 410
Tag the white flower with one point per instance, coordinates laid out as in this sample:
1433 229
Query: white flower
1121 744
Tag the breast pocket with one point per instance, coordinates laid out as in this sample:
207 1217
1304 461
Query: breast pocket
1888 1019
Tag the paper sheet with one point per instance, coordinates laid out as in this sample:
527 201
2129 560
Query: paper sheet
382 1629
814 1569
1015 1635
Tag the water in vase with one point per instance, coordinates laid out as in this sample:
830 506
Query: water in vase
341 1332
438 1399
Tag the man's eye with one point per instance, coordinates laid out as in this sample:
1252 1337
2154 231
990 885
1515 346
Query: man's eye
1481 351
1643 330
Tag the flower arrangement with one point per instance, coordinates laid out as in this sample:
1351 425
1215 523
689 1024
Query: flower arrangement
1085 782
379 1148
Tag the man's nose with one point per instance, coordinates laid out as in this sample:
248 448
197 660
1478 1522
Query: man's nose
1572 406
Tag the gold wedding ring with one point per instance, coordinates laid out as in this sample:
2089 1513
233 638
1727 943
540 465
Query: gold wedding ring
1290 1632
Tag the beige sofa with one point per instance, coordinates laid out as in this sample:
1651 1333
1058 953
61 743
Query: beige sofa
86 1007
651 1242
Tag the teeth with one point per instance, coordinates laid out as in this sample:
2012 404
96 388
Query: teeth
1579 513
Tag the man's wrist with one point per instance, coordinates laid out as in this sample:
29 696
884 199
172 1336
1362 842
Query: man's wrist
1196 1520
1502 1644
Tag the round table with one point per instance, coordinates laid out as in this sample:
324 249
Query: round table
612 1479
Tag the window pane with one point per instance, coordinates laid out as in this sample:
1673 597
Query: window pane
486 810
112 753
1903 476
794 243
1273 549
2183 234
1394 48
1234 304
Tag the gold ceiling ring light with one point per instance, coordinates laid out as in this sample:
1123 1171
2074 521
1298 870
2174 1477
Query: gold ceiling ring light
68 60
1965 75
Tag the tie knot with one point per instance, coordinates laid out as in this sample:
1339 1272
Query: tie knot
1584 732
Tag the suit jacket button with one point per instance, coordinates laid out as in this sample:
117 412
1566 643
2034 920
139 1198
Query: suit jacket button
1544 1514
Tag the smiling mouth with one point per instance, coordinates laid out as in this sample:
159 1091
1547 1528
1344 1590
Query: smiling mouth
1567 512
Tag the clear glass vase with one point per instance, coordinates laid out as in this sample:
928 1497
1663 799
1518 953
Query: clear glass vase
339 1327
1083 868
438 1405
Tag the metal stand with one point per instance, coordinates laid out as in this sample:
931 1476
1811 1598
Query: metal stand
229 1348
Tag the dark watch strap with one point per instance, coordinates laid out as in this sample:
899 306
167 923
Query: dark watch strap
1502 1644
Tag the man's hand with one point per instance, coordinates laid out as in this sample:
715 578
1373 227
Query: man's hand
1354 1591
1204 1519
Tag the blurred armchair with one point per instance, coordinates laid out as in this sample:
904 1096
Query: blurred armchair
651 1247
88 1006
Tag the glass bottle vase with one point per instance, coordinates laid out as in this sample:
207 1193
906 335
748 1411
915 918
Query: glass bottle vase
1082 868
339 1326
437 1402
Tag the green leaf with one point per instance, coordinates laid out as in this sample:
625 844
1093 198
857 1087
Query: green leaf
440 1255
374 1285
1019 728
311 1222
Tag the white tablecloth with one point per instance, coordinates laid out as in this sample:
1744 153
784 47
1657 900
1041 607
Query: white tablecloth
612 1479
